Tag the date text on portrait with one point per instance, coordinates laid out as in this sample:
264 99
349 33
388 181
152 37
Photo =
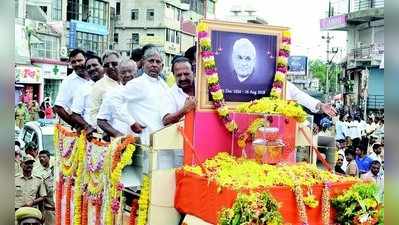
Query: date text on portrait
247 91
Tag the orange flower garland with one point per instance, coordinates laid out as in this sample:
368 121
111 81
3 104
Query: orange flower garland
133 212
97 203
68 201
58 198
85 204
116 156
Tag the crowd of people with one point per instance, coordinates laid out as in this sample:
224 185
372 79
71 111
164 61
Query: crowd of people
360 144
32 111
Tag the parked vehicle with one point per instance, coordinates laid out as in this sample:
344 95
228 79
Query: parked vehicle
40 133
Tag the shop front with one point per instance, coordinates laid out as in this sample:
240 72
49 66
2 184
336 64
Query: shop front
52 73
28 84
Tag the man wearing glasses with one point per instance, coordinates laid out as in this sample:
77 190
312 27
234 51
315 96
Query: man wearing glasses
111 80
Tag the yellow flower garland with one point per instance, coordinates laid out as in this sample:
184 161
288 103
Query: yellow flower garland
80 155
115 177
144 201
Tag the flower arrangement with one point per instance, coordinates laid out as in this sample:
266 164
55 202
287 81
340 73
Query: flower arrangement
311 201
240 173
274 106
282 62
58 198
115 187
208 61
359 205
68 201
144 201
78 188
325 209
256 209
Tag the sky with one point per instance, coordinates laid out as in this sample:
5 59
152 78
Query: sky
302 19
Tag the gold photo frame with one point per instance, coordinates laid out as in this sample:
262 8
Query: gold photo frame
202 91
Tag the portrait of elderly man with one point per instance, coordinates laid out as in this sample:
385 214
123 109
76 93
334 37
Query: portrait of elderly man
246 64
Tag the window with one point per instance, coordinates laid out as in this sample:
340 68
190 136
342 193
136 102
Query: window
118 8
211 7
135 14
116 37
56 12
51 87
73 10
98 12
16 8
150 14
85 10
173 36
150 35
177 37
135 38
93 42
48 47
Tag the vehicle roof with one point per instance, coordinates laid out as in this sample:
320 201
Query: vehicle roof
45 130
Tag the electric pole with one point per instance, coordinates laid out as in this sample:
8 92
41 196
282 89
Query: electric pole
328 38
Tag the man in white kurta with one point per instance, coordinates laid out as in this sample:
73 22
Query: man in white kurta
144 97
106 117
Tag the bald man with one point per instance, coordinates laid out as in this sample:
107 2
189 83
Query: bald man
243 59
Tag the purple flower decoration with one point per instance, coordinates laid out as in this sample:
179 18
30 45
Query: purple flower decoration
277 84
202 34
217 104
286 40
120 187
282 69
283 52
214 88
115 205
205 54
328 184
210 71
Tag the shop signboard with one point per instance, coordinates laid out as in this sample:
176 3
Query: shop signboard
172 48
90 27
297 65
28 74
51 71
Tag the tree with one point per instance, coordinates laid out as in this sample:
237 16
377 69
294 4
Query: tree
318 69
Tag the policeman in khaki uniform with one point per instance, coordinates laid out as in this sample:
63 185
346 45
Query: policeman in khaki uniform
29 189
28 215
46 172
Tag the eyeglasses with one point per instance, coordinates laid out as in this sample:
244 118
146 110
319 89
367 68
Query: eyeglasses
114 64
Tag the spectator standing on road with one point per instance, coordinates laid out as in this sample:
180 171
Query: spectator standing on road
48 111
29 189
351 169
46 172
363 161
20 115
34 109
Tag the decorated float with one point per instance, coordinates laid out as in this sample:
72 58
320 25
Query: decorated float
239 149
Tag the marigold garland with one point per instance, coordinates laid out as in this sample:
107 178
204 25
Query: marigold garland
68 201
133 212
325 207
58 199
144 201
282 62
208 62
78 190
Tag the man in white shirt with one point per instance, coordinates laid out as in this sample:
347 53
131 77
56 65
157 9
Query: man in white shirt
182 91
377 150
81 101
111 80
106 117
144 97
70 84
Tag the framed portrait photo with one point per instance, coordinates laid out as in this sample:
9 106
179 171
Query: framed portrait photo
246 61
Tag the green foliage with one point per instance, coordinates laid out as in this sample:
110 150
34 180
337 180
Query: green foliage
257 208
318 69
359 200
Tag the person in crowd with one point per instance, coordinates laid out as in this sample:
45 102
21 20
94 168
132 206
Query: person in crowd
190 54
351 169
29 189
34 110
70 85
111 80
48 111
20 115
377 150
18 157
354 130
82 100
28 216
32 149
338 165
341 130
106 117
183 92
144 96
46 172
374 174
137 56
363 161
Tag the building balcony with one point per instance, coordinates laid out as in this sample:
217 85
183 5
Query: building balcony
342 14
370 55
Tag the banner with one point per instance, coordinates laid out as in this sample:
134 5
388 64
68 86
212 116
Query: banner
297 65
